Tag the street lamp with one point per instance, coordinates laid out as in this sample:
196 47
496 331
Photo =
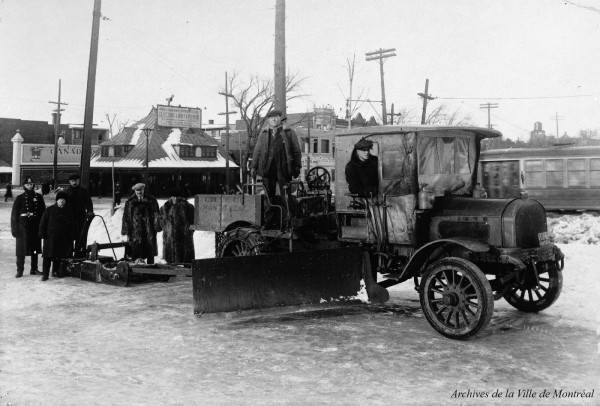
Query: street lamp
147 132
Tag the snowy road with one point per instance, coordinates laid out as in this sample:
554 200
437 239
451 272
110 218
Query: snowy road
70 342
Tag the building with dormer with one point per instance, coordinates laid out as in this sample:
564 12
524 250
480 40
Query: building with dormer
167 150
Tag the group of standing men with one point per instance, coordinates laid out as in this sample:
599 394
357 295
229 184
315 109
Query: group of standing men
59 225
142 220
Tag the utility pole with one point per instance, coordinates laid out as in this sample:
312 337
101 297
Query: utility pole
426 97
392 115
227 113
56 130
489 106
380 55
557 117
86 148
279 77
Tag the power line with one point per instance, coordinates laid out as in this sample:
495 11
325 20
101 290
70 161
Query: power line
518 98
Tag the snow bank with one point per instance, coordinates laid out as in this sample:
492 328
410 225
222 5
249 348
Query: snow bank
574 228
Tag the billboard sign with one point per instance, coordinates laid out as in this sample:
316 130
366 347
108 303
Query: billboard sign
169 116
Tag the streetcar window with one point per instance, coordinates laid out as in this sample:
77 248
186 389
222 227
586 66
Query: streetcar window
595 172
534 171
576 172
555 173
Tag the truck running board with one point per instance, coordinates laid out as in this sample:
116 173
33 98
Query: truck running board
286 279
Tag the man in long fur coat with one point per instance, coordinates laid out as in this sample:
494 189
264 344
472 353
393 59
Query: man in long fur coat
176 217
141 224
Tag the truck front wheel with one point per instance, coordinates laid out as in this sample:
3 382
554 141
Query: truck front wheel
456 298
526 295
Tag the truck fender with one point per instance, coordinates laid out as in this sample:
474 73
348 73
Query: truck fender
421 256
240 223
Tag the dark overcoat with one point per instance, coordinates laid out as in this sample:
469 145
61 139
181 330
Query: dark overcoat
140 225
291 163
80 204
362 176
56 229
178 240
25 222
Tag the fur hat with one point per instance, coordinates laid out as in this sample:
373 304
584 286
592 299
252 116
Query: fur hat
363 145
138 186
28 179
62 195
74 176
274 113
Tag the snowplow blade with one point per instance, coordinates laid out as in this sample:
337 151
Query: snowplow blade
286 279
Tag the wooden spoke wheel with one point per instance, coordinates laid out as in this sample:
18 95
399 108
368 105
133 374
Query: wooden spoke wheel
456 298
241 242
526 296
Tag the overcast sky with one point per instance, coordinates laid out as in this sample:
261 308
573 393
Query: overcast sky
535 58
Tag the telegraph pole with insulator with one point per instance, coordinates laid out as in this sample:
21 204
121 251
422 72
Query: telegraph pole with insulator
380 55
557 117
426 97
56 134
489 106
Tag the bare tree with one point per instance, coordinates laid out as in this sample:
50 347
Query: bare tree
442 116
114 124
350 109
254 99
406 115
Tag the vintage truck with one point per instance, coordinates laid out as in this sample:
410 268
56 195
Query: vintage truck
429 222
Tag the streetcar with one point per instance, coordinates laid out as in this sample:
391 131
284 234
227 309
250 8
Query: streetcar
561 177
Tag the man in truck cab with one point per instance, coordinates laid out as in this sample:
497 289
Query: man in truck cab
361 170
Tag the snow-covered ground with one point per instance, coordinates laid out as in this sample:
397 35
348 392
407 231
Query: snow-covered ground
71 342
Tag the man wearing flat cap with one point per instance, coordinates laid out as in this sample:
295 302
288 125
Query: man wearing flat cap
80 204
141 223
362 170
277 158
25 219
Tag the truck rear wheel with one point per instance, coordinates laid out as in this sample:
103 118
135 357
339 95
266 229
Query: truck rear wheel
241 242
523 295
456 298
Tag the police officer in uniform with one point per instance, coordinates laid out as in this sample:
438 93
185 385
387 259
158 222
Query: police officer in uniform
25 223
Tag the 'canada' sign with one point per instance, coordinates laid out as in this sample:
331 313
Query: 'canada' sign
43 154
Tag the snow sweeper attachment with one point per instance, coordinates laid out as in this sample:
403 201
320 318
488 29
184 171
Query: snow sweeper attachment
89 265
284 279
